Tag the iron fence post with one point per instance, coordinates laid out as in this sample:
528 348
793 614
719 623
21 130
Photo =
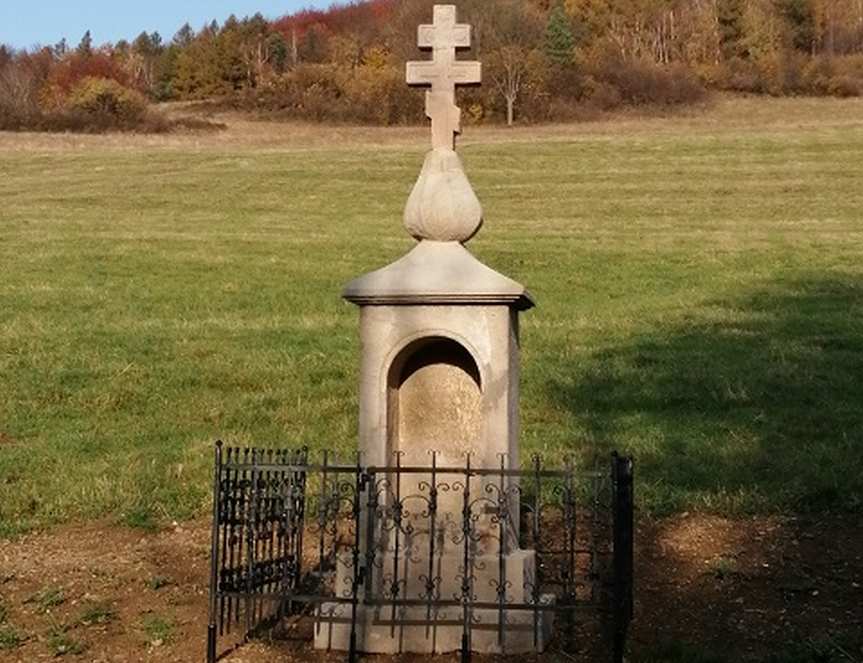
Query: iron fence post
537 546
359 486
397 513
370 542
502 516
623 551
571 563
430 585
466 586
251 533
214 556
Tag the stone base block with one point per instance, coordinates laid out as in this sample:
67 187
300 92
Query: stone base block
380 630
379 633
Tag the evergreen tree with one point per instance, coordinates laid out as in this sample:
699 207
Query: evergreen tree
230 24
6 56
278 48
590 18
313 46
85 47
184 36
202 70
166 73
559 40
729 18
229 56
61 48
799 16
143 45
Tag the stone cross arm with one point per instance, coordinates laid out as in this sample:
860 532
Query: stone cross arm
445 32
431 73
443 73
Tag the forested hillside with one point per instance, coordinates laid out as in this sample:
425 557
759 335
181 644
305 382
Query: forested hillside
544 60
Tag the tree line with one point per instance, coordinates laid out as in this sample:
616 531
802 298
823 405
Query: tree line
543 60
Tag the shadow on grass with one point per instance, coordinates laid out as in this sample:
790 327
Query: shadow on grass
748 404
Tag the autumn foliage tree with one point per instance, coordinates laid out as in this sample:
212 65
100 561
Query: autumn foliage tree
510 50
544 59
65 74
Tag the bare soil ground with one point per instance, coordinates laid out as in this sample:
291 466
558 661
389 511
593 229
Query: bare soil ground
97 592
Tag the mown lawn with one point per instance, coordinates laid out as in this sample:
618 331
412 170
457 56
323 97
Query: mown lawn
699 280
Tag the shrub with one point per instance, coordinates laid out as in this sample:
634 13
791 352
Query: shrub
74 67
642 81
603 96
845 86
78 122
739 75
373 94
69 72
835 76
379 95
93 105
781 73
790 72
319 102
311 91
106 99
560 110
18 98
817 75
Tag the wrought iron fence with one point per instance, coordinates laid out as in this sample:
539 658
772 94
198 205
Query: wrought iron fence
311 548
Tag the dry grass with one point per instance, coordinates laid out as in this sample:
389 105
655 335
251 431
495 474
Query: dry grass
723 114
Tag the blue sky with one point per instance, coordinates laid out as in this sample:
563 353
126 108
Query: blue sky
26 23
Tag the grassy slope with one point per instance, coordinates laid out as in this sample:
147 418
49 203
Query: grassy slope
700 289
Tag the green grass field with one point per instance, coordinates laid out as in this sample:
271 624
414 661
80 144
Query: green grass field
699 283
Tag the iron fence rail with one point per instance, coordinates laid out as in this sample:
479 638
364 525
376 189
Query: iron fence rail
324 541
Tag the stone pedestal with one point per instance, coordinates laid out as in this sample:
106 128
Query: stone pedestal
379 638
440 373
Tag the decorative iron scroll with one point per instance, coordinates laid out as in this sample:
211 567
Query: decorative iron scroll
299 546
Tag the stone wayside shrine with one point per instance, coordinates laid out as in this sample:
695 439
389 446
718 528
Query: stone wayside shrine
440 372
434 538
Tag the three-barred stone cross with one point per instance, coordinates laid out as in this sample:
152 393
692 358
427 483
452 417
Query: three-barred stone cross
443 73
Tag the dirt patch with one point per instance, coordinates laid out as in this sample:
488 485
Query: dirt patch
746 588
743 587
111 594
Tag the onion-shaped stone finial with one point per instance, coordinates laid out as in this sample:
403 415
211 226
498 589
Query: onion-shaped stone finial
443 206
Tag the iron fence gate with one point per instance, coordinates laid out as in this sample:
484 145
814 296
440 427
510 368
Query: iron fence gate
304 547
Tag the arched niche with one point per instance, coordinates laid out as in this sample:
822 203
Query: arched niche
434 401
